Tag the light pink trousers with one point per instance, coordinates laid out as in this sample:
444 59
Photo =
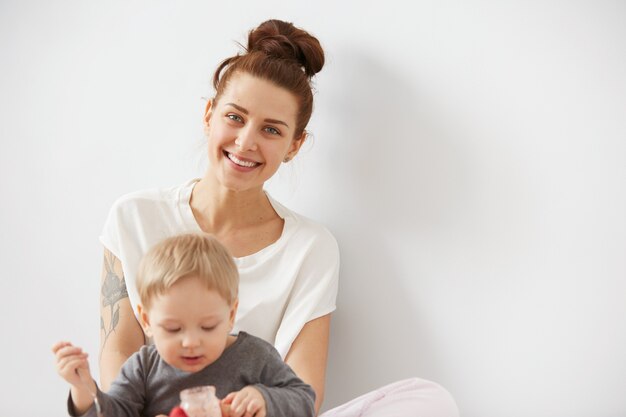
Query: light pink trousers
407 398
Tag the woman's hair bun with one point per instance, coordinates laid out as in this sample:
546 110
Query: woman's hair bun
282 40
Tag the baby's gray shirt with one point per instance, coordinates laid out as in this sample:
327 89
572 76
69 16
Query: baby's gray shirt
148 386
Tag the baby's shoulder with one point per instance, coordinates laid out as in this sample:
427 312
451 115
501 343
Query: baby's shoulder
143 360
254 347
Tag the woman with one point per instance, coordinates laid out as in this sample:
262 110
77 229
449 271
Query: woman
288 264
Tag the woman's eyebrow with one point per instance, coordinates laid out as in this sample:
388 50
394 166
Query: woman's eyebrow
241 109
245 111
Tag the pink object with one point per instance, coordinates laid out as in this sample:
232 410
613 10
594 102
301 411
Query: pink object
177 412
406 398
200 402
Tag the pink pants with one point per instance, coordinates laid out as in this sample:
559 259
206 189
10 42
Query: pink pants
408 398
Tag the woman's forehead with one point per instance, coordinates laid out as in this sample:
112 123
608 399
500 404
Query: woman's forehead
259 96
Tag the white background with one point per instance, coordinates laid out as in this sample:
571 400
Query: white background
468 156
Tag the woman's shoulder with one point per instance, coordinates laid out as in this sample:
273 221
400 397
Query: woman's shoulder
305 229
152 196
151 213
309 228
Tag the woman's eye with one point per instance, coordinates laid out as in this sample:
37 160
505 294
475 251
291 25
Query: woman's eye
272 130
234 117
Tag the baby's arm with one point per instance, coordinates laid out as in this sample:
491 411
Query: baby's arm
72 365
246 402
278 393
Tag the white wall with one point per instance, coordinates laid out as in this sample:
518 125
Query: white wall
468 156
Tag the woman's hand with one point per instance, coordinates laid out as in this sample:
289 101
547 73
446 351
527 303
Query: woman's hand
247 402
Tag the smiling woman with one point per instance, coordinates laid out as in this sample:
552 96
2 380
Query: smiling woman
288 264
251 130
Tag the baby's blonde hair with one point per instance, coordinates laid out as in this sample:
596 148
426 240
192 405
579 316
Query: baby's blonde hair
194 254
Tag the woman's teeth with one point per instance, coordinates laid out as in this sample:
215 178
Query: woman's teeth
247 164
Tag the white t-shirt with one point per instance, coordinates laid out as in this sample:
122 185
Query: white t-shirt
282 287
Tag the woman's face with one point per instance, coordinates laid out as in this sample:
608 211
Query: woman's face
250 132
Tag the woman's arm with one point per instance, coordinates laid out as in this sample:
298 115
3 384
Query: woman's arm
309 353
120 333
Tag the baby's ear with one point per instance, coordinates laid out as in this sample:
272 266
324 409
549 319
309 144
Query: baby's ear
144 320
233 313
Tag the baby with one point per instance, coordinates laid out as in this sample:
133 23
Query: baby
188 290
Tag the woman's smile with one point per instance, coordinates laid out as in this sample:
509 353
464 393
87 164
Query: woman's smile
241 162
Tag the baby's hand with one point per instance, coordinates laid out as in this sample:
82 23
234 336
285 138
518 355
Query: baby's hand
72 364
247 402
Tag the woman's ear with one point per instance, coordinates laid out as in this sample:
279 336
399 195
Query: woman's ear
208 111
144 320
295 145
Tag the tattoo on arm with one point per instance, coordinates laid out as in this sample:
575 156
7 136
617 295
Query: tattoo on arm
113 290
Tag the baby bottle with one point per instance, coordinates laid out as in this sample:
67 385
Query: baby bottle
200 402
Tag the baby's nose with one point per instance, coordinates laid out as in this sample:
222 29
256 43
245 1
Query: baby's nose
190 339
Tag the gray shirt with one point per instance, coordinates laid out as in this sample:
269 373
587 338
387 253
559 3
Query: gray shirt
147 386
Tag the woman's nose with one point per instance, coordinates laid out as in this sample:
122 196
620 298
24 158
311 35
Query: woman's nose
246 140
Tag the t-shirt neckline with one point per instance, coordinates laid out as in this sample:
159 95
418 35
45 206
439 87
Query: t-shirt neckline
184 205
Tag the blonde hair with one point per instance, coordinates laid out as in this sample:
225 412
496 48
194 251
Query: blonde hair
194 254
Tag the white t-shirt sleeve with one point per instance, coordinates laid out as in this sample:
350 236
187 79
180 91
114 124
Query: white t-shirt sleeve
314 292
110 237
122 241
135 222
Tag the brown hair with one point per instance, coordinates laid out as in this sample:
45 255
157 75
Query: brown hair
194 254
279 52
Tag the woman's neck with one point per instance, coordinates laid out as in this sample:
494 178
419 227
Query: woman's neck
219 210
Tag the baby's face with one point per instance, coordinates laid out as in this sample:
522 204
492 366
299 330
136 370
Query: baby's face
189 324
